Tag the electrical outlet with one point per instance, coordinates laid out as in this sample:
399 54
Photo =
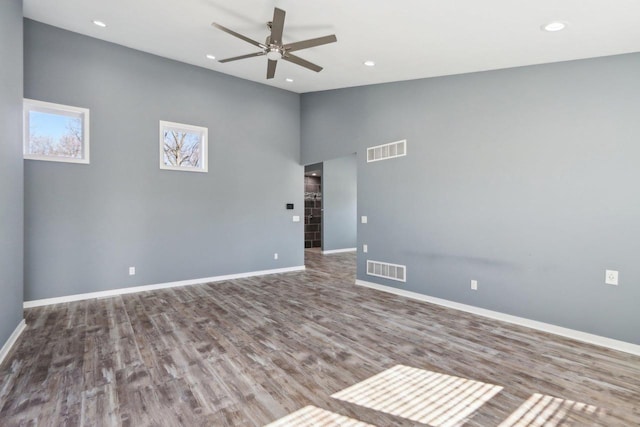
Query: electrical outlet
611 277
365 248
275 256
363 219
474 285
296 218
132 271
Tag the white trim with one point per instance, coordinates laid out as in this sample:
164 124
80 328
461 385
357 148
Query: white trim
337 251
204 145
6 348
29 105
123 291
534 324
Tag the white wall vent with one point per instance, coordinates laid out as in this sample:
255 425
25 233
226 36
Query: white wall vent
387 151
386 270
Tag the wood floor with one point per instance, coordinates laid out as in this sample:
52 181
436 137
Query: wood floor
306 348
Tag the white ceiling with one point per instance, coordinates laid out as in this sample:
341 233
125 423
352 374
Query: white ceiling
408 39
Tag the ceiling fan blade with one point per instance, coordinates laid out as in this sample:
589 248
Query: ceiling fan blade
235 58
238 35
302 62
271 68
305 44
277 26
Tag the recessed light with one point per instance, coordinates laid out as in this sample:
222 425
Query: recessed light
369 63
99 23
554 26
290 80
209 56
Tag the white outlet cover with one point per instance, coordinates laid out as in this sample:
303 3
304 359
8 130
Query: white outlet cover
474 285
611 277
363 219
365 248
275 256
296 218
132 271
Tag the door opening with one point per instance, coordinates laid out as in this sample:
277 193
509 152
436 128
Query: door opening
313 206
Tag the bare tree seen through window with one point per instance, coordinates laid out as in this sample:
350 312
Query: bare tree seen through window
55 135
182 149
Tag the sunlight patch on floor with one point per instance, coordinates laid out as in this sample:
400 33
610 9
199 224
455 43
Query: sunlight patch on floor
316 417
548 411
419 395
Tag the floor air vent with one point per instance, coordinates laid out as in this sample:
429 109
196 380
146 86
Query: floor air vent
387 151
386 270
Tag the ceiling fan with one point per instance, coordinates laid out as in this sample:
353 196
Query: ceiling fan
273 47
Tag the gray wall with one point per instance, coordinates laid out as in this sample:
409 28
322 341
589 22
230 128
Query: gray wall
86 224
339 194
524 179
11 182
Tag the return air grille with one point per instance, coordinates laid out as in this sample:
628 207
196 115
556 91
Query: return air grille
386 270
387 151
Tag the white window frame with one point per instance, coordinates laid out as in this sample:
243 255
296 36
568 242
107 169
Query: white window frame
58 109
204 141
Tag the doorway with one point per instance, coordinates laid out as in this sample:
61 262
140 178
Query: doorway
330 205
313 206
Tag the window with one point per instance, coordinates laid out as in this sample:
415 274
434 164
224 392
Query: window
183 147
55 132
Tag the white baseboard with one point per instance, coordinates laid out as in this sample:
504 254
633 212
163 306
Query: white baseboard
534 324
337 251
12 340
123 291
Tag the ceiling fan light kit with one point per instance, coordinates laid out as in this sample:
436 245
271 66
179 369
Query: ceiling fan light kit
274 49
274 54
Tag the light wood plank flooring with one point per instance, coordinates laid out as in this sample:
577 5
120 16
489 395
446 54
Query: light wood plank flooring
302 348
